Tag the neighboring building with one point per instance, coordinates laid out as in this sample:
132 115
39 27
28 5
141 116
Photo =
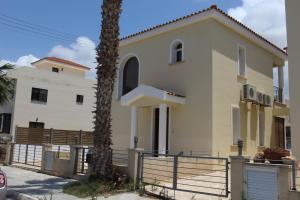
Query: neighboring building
54 93
180 87
293 33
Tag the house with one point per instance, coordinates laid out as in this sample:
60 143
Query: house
293 31
196 85
54 93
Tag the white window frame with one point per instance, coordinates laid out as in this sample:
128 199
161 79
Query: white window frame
232 124
239 46
261 128
173 51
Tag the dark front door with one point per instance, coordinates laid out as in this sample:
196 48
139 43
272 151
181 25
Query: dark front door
279 132
156 131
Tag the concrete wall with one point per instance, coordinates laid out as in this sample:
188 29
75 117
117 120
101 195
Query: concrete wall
61 110
293 30
227 85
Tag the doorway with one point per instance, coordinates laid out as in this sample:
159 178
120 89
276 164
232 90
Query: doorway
156 130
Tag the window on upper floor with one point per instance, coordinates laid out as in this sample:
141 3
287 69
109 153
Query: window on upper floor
79 99
236 124
39 95
241 61
177 53
55 69
130 75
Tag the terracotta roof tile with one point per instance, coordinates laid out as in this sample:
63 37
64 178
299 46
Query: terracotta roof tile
60 60
213 7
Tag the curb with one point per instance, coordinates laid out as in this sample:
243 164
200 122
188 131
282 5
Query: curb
19 196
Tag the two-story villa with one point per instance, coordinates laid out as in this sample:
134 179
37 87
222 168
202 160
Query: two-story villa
198 84
54 93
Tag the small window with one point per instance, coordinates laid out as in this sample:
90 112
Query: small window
39 95
55 69
261 128
36 125
241 61
236 124
176 52
79 99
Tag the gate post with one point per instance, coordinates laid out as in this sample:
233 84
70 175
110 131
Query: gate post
175 167
9 157
134 165
237 176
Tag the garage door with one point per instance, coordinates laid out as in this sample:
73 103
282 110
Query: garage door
261 184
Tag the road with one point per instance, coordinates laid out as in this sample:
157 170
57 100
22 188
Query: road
42 185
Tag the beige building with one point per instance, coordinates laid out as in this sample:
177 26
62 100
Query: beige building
293 30
198 84
54 93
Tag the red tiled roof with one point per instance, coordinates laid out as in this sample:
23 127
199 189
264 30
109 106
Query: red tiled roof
213 7
60 60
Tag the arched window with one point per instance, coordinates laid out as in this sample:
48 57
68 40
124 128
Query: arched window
130 75
177 54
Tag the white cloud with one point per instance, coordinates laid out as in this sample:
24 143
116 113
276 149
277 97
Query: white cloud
82 51
21 61
267 17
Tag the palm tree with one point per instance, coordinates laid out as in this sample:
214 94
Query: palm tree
107 56
6 84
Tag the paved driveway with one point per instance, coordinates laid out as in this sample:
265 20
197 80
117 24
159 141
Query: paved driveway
41 185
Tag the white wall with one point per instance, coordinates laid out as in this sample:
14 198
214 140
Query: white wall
293 30
61 110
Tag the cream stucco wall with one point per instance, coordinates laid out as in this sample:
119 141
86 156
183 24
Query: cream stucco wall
293 30
190 125
208 78
61 110
227 86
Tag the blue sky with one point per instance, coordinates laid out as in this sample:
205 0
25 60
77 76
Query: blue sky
82 17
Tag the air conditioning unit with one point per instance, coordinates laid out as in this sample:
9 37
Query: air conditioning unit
260 98
267 100
249 93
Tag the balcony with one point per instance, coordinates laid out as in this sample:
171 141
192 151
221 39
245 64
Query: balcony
278 94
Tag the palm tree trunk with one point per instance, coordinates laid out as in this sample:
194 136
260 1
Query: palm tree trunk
107 56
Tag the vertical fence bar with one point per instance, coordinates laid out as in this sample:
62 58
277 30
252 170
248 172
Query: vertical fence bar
175 167
294 175
142 169
26 154
227 181
51 136
34 154
138 173
19 153
59 151
82 160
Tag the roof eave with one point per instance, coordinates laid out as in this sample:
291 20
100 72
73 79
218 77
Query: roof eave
210 13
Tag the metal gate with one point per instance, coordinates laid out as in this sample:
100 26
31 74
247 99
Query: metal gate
173 176
30 155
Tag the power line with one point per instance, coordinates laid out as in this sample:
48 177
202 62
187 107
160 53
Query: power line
21 26
37 26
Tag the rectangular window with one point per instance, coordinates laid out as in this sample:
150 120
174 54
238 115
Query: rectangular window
236 124
36 125
241 61
55 69
39 95
79 99
288 138
261 128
